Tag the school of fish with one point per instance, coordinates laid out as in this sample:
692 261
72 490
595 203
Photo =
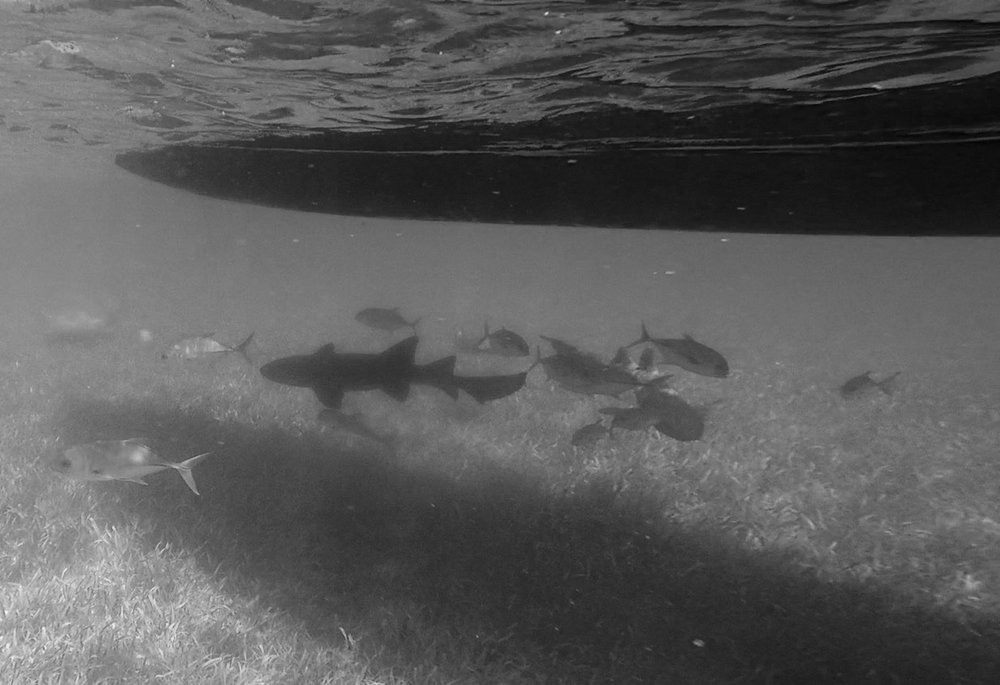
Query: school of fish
331 374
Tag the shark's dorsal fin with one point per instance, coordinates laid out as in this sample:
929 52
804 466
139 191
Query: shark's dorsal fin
325 350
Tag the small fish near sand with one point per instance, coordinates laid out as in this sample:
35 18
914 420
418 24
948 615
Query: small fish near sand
686 353
645 370
500 342
382 319
583 372
589 435
202 346
632 418
863 384
129 460
677 419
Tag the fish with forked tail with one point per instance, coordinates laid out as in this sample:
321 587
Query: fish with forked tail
677 419
863 383
503 342
202 346
585 373
686 353
127 460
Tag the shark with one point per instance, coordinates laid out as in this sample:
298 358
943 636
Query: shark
331 374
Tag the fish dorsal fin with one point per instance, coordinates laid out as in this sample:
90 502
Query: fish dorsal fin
137 442
687 336
326 350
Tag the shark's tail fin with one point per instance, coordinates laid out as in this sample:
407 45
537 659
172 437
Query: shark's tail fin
184 468
242 347
441 375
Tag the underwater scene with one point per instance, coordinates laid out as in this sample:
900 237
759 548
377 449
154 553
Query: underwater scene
399 342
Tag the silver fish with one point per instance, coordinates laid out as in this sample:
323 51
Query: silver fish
502 343
128 460
686 353
864 383
205 346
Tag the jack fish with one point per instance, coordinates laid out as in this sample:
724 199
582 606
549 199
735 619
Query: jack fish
128 460
686 353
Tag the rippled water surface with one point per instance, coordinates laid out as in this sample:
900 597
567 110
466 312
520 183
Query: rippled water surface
121 73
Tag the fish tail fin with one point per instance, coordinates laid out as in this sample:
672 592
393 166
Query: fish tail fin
184 469
413 324
242 347
441 375
644 337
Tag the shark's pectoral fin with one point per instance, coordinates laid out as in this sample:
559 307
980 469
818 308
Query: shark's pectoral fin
330 395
